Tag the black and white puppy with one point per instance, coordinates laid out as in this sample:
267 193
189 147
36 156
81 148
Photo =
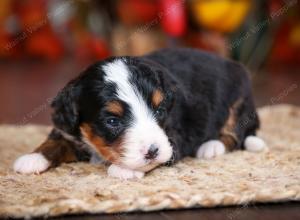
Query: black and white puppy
137 113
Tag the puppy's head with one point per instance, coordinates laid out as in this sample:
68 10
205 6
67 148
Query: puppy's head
120 108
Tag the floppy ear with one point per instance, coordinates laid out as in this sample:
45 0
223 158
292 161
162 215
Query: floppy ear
66 113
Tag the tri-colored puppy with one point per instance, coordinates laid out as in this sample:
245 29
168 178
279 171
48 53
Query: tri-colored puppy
137 113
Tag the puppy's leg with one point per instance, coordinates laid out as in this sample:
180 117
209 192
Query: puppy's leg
237 132
51 153
228 137
240 128
227 143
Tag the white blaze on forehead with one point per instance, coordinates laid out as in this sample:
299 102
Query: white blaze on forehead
117 72
144 129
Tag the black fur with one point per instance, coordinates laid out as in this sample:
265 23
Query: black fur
199 87
206 87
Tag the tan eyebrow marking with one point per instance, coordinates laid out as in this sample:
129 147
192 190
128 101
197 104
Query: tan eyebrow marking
157 97
115 107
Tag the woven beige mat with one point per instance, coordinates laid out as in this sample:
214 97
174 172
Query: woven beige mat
236 178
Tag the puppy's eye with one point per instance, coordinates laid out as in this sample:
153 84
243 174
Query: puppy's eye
160 113
113 122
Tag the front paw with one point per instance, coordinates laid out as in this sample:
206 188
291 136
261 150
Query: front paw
211 149
31 163
123 173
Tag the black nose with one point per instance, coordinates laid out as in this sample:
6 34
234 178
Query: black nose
152 152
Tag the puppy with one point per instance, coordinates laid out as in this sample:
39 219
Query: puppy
136 113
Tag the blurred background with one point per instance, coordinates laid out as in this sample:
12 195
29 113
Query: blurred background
45 43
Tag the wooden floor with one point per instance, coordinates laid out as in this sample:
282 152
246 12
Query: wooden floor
26 88
282 211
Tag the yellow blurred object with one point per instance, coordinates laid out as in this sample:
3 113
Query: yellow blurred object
295 36
220 15
5 7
